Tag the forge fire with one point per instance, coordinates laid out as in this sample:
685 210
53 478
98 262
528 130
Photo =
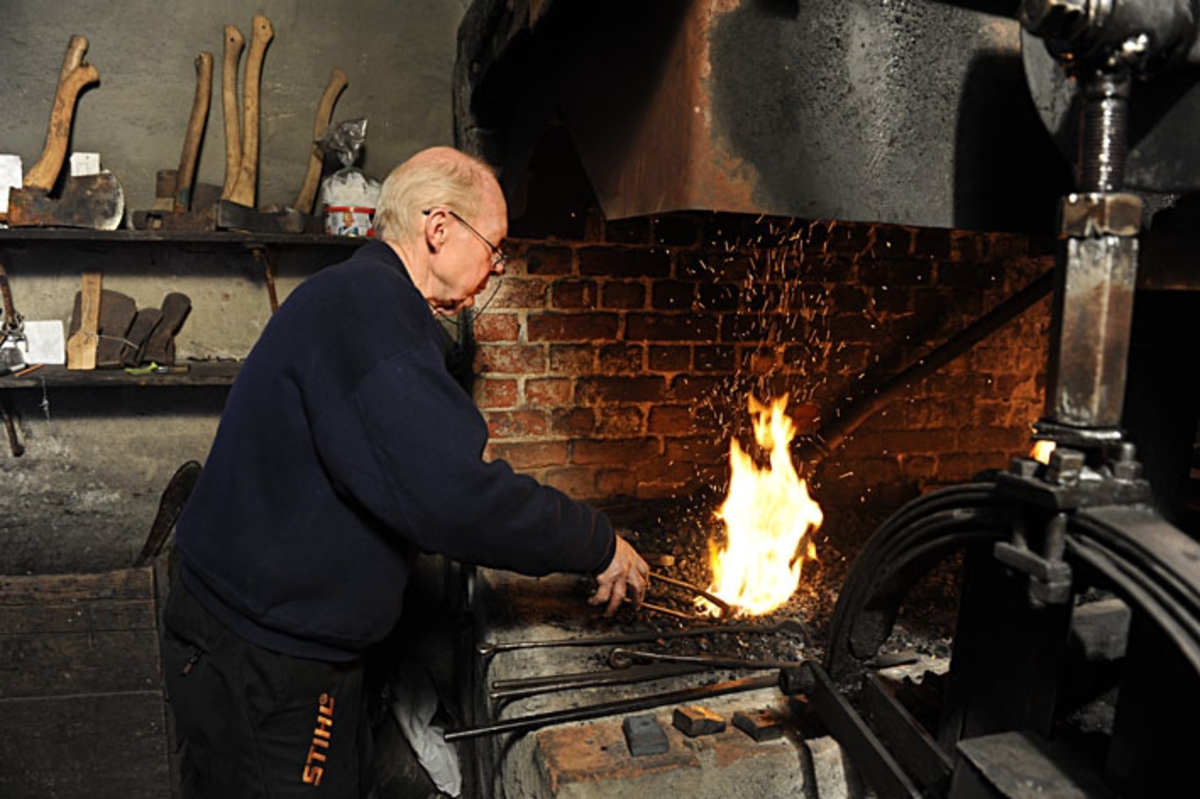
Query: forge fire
767 516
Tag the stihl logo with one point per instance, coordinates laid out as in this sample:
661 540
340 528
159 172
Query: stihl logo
322 734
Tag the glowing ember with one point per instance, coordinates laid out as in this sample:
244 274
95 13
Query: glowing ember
1041 451
768 515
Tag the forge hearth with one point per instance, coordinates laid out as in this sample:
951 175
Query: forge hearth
590 759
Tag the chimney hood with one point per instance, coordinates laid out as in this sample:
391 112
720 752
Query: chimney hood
899 111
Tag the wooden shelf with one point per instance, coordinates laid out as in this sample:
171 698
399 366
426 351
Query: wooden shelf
175 237
217 373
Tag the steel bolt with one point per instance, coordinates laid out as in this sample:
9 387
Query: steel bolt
1065 467
1058 20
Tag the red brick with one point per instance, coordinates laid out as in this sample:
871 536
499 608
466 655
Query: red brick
1013 439
620 359
623 262
848 238
662 470
919 465
919 441
718 296
623 294
744 327
496 393
572 326
497 327
633 230
697 450
687 387
574 294
587 452
548 391
548 261
715 359
852 327
515 292
573 421
827 268
620 389
527 455
572 359
514 359
961 467
620 420
805 415
675 230
670 420
714 265
515 424
677 327
612 483
673 295
760 360
574 481
669 359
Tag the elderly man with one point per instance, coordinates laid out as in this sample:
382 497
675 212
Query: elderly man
345 449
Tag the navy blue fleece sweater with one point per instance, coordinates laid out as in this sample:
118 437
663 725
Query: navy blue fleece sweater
345 447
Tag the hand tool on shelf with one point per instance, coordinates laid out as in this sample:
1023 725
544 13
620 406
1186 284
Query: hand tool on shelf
236 210
81 346
245 186
160 345
139 334
195 132
179 203
26 341
234 42
92 201
117 312
312 178
12 331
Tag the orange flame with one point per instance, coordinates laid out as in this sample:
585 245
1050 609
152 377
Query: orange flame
767 515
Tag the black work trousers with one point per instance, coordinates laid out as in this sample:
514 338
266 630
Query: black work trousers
256 723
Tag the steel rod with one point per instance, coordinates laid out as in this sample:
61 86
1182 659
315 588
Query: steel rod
633 705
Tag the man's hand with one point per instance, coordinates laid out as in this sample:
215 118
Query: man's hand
626 577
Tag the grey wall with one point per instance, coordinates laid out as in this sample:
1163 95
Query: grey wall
398 54
83 496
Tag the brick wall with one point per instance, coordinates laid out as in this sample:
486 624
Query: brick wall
616 363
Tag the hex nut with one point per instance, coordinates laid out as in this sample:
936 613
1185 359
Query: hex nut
1097 214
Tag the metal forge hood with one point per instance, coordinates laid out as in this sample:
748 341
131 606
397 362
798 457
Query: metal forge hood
897 111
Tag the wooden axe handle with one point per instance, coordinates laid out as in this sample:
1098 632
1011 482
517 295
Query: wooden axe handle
195 132
229 106
247 181
43 174
308 190
76 50
81 346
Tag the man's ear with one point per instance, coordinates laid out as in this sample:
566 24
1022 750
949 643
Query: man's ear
435 230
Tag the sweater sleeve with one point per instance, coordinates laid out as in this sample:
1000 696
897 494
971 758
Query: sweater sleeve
406 447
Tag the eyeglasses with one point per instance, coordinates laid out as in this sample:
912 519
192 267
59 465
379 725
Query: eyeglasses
499 259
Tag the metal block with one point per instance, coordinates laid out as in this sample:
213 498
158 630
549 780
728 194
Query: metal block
761 725
644 735
695 720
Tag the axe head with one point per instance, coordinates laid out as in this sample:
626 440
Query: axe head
93 201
